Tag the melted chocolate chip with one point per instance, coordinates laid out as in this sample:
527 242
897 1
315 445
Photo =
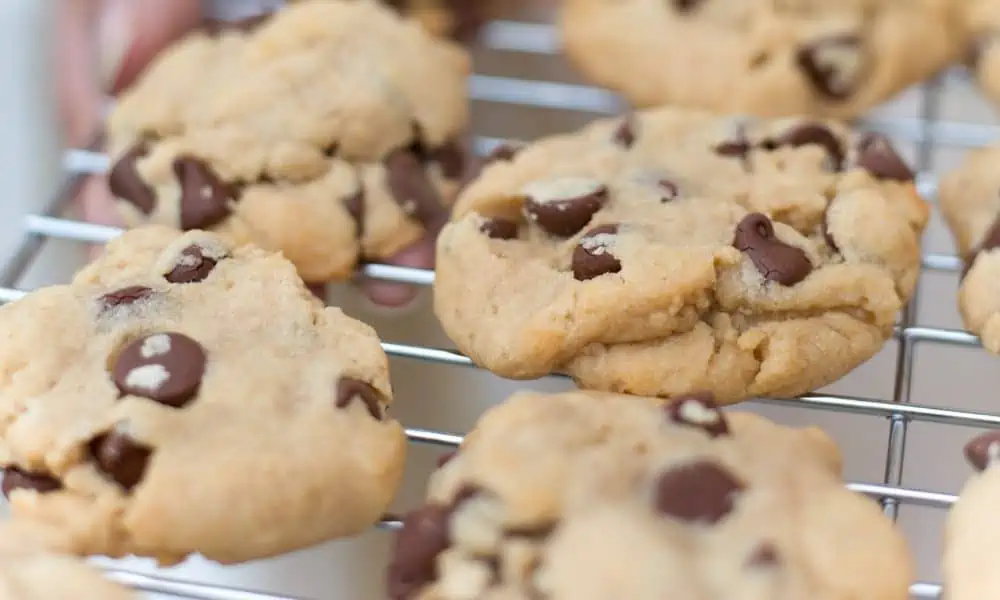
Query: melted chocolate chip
825 229
451 158
355 206
164 367
15 478
668 190
776 260
411 188
125 296
764 555
348 389
814 134
425 534
204 197
700 492
125 183
699 411
877 156
832 65
592 257
983 450
120 457
624 134
192 266
499 229
563 207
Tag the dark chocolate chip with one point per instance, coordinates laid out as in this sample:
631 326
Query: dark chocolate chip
701 492
120 457
425 534
411 188
686 5
735 148
764 555
776 260
983 450
499 229
699 411
125 296
204 197
624 134
348 389
192 266
355 206
668 190
807 134
164 367
563 207
446 458
877 156
15 478
125 183
832 65
451 158
214 27
592 257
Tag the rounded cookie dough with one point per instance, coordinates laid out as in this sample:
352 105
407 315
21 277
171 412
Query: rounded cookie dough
827 58
969 199
330 131
674 251
590 496
185 396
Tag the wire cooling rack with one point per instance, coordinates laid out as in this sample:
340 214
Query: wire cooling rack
926 132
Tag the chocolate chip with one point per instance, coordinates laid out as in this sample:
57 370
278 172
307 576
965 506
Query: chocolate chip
446 458
164 367
125 296
833 65
120 457
685 5
735 148
204 197
825 229
624 134
563 207
764 555
451 158
776 260
537 532
877 156
699 411
592 257
814 134
214 27
125 182
348 389
192 266
701 492
425 534
15 478
355 206
669 190
499 229
983 450
411 188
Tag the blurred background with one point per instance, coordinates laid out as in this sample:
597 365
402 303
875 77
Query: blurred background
519 94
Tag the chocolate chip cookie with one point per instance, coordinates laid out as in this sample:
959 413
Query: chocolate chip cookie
674 251
969 198
183 395
982 27
591 496
827 58
972 527
330 132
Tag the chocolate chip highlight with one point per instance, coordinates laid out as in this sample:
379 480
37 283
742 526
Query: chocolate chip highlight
592 256
348 389
193 266
164 367
877 155
776 260
833 65
700 492
205 197
983 450
563 207
120 457
125 182
15 478
699 411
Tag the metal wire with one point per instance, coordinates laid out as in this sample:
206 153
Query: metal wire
927 132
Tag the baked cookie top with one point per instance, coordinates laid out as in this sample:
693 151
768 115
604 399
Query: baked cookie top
329 131
674 251
831 58
589 496
981 19
969 199
178 377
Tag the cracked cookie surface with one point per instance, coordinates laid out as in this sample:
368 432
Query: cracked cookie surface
969 199
184 396
827 58
330 131
675 251
589 496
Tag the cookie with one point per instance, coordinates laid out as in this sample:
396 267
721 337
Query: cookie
981 19
331 131
970 204
182 395
459 19
972 527
590 496
674 251
826 58
31 571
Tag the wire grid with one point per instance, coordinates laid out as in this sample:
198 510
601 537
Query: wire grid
926 131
